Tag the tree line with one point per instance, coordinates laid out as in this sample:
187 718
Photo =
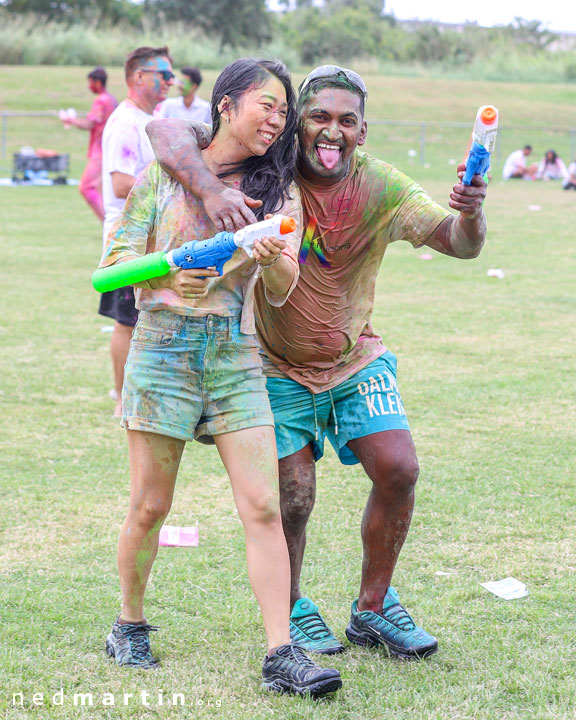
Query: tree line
341 29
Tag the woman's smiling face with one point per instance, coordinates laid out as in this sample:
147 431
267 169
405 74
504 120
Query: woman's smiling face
259 117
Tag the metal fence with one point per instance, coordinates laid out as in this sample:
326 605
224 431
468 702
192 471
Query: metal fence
420 136
506 135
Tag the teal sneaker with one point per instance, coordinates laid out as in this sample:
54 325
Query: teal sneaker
392 628
310 632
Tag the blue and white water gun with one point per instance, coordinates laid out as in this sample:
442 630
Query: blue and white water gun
483 143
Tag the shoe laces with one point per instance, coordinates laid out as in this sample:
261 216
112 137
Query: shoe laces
298 655
314 626
137 636
398 616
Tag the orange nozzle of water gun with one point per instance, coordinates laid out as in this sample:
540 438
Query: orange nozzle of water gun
489 115
287 225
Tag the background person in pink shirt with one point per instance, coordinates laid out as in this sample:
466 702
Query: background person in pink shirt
91 181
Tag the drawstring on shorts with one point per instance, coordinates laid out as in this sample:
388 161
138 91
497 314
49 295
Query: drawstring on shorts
315 416
334 413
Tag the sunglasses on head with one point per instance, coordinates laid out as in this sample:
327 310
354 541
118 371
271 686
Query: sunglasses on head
167 75
333 71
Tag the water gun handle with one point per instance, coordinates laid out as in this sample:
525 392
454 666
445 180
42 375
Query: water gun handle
214 252
478 163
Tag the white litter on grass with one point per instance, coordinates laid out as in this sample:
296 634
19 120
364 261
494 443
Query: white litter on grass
441 573
172 536
495 273
426 256
412 153
451 161
107 328
507 589
535 208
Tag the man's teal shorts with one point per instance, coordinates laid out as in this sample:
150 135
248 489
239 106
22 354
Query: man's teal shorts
368 402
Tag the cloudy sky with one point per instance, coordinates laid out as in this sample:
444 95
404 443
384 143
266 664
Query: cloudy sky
558 15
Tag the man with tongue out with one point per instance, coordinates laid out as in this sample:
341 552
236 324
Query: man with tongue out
329 374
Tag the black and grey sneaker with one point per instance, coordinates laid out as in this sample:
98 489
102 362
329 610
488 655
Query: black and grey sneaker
289 669
129 645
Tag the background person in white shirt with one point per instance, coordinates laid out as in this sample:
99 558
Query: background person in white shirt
188 106
570 181
126 151
515 165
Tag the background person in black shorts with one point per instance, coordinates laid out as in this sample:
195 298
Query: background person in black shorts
126 151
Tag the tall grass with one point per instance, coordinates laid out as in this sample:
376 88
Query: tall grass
24 40
29 40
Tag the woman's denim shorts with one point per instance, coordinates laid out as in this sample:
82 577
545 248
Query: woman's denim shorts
193 377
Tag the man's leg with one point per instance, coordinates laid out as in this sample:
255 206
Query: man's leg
389 459
297 496
300 419
373 430
378 618
119 347
90 186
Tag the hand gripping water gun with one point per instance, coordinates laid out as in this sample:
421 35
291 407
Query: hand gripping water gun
213 252
483 143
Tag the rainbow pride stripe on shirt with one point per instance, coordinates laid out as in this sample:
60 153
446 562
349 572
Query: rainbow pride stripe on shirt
312 243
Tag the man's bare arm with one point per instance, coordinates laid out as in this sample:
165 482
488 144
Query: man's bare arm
463 236
82 123
177 145
122 184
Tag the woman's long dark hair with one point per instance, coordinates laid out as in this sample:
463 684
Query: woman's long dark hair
266 177
553 159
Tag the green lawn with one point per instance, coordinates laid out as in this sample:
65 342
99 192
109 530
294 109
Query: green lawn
486 370
402 100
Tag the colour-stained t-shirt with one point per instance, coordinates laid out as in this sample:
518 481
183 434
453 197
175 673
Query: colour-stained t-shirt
102 107
125 149
160 214
322 335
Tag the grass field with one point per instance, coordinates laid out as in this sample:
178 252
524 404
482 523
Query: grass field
400 100
486 370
